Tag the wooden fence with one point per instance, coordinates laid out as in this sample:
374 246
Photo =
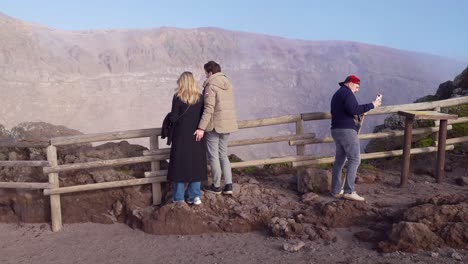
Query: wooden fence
155 154
24 163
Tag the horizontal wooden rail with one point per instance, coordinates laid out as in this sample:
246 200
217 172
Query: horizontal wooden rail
316 116
24 185
299 159
269 121
451 141
9 143
264 140
393 133
103 185
250 163
24 163
88 138
395 108
243 142
103 163
243 164
374 155
156 152
458 120
156 173
119 135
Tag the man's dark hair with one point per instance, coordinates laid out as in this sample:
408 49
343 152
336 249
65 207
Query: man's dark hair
212 67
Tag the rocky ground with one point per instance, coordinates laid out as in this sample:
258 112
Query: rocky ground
422 216
425 222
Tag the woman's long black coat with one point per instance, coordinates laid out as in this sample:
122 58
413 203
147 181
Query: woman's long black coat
188 158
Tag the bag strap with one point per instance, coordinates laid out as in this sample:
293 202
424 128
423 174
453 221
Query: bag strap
182 114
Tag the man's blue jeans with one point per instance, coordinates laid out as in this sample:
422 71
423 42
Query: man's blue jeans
347 148
193 190
218 157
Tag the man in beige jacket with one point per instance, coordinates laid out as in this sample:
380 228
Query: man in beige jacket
218 121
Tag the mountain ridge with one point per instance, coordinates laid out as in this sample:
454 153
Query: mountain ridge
101 81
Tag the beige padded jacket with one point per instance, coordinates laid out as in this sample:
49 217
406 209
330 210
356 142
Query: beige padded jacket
219 112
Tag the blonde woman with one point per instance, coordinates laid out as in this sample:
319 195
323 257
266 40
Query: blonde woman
188 156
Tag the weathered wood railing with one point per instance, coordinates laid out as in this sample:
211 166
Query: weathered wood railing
155 154
436 105
23 163
54 168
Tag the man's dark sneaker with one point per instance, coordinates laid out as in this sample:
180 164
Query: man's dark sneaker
212 189
227 189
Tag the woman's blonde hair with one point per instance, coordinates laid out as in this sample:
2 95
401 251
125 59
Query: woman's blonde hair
187 90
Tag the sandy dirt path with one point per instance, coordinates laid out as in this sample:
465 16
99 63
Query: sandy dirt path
117 243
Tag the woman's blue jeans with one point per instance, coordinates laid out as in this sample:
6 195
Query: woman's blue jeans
193 190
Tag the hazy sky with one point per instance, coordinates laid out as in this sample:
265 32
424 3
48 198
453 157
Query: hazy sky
436 27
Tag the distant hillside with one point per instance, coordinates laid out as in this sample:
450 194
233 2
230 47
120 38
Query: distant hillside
106 80
449 89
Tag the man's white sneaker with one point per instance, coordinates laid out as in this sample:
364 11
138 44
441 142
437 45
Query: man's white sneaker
353 196
338 195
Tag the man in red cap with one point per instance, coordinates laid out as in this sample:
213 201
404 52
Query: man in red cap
346 122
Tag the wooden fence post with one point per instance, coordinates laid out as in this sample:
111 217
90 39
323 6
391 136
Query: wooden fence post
55 210
300 149
435 136
406 151
155 166
435 139
440 172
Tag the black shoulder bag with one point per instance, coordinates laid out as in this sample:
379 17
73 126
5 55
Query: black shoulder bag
167 126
